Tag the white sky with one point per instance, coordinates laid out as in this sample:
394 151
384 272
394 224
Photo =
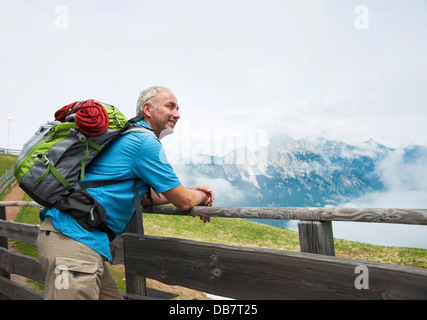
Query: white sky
300 68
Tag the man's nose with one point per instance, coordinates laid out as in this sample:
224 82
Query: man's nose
176 115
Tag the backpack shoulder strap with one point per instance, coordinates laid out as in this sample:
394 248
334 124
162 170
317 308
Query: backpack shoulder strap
132 125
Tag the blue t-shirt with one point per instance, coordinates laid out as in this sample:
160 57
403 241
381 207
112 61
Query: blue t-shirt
135 155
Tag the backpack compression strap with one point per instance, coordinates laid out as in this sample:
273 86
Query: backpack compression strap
51 168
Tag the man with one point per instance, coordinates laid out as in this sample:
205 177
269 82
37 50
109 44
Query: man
72 258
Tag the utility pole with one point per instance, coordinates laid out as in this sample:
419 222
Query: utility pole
8 131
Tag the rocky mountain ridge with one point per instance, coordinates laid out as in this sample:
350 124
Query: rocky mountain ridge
299 172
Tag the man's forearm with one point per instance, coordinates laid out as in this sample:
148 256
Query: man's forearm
197 198
185 198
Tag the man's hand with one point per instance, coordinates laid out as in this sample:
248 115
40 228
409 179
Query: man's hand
209 201
209 193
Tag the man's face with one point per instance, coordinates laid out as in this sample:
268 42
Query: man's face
164 115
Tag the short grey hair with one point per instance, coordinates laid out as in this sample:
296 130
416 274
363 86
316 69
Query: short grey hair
146 95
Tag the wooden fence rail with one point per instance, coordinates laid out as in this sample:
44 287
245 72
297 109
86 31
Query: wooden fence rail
239 272
383 215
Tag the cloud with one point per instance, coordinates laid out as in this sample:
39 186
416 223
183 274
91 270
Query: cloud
225 193
405 181
382 234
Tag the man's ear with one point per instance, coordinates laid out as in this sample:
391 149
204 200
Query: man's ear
147 109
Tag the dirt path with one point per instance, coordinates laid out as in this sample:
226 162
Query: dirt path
15 194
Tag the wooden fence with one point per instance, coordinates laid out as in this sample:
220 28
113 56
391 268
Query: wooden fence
241 272
10 151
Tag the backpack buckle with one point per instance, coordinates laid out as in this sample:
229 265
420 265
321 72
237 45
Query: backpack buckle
51 135
45 161
81 136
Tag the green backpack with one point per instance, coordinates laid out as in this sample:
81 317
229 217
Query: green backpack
51 165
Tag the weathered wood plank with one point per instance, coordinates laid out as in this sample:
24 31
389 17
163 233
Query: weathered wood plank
19 231
20 204
316 237
135 284
385 215
3 242
253 273
131 296
116 249
20 264
15 291
29 233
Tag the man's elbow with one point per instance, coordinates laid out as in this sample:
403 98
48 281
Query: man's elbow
185 205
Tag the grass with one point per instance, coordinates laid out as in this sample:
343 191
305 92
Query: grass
236 232
412 257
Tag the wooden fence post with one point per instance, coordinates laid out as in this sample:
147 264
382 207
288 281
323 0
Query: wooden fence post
3 241
134 283
3 244
316 237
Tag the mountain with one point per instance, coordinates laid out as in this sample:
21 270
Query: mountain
293 173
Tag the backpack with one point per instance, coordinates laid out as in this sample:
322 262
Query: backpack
51 165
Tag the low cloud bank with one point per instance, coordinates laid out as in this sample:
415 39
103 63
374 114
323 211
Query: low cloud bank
405 179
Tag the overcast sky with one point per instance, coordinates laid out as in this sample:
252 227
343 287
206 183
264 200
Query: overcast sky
346 70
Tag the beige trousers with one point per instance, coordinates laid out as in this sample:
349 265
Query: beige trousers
72 270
